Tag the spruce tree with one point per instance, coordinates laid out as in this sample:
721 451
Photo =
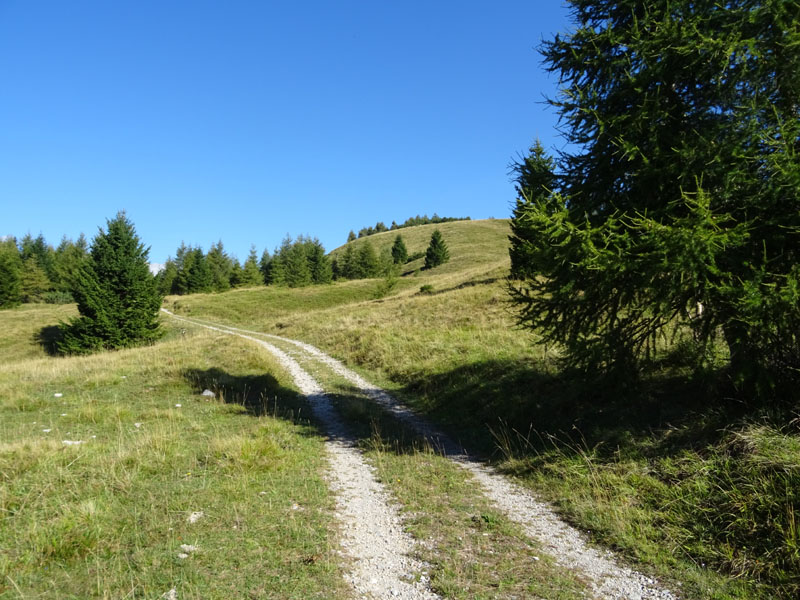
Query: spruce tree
265 266
437 253
35 283
367 262
679 185
318 262
399 251
251 274
199 276
117 296
297 270
534 179
10 274
221 266
351 236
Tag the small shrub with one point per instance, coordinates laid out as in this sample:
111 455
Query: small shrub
426 289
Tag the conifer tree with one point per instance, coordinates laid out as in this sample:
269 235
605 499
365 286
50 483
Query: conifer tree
535 179
295 262
437 252
67 261
351 236
265 266
34 281
199 276
318 262
221 266
399 251
251 274
680 185
367 262
348 267
10 274
166 278
117 296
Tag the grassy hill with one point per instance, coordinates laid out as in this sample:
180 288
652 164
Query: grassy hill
694 487
670 473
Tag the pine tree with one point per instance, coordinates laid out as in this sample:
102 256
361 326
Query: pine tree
367 261
399 251
265 266
251 274
34 281
166 278
535 180
351 236
67 261
348 266
117 296
437 253
199 276
221 266
298 273
318 262
10 274
680 185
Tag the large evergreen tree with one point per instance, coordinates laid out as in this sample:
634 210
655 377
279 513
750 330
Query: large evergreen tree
221 267
318 262
117 296
681 183
437 252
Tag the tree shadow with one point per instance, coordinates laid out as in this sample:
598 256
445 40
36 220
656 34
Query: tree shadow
499 407
260 395
48 338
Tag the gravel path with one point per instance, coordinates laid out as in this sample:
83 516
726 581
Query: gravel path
605 576
372 530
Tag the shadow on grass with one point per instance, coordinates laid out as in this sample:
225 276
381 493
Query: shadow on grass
260 394
48 338
496 403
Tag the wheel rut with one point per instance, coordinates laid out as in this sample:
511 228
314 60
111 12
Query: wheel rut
373 535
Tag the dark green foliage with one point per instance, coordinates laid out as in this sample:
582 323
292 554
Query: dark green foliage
318 262
295 261
399 251
41 252
34 281
166 278
117 296
67 261
251 274
534 180
265 266
683 185
10 274
437 253
221 267
367 264
351 236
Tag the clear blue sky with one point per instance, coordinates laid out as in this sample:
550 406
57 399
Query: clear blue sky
245 121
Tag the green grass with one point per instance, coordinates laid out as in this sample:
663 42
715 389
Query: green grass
693 486
28 330
106 518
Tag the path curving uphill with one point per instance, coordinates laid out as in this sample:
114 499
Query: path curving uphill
605 576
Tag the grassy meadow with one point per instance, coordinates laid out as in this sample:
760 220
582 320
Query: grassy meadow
673 472
118 479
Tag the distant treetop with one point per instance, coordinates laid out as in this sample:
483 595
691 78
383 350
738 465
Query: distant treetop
380 227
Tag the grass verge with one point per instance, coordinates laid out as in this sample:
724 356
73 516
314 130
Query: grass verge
104 460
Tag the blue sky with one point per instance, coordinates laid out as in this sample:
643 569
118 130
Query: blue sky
245 121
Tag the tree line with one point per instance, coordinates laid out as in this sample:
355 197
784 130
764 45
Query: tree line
31 270
380 227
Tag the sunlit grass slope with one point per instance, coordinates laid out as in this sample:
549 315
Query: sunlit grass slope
104 459
670 472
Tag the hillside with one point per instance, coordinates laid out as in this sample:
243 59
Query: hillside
701 493
647 470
